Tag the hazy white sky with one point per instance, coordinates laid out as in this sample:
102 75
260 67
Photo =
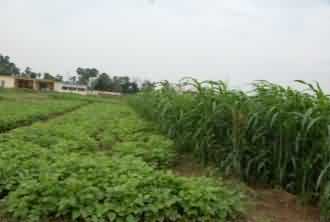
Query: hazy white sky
235 40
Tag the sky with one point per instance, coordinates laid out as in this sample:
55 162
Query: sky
233 40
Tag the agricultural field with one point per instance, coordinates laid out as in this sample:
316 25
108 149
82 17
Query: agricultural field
273 135
73 158
100 162
19 108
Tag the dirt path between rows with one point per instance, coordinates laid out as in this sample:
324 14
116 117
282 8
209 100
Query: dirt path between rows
268 205
279 206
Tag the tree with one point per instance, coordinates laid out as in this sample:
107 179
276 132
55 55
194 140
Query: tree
123 84
73 79
33 75
116 86
147 85
85 73
7 67
133 87
59 77
103 83
28 73
48 76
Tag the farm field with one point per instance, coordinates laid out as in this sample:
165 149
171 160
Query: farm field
272 135
101 162
116 159
23 108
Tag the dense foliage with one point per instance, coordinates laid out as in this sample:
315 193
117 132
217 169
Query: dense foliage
7 67
99 163
103 82
121 84
84 74
273 134
325 204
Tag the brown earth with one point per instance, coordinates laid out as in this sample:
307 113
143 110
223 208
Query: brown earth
267 205
279 206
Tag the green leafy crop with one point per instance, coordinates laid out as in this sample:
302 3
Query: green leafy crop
19 109
92 188
101 163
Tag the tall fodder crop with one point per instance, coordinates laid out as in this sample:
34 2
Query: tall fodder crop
289 133
208 119
273 134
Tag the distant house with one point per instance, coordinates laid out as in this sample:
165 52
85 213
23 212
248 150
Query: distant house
69 87
103 93
65 87
20 82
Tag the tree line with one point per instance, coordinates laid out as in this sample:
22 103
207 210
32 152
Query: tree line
84 76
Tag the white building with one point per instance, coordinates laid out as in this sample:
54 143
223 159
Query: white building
71 88
103 93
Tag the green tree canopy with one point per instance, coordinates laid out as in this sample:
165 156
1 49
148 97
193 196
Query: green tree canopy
85 73
48 76
147 85
59 77
124 84
103 83
7 67
121 84
30 74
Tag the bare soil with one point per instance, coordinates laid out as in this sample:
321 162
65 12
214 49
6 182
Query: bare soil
267 205
279 206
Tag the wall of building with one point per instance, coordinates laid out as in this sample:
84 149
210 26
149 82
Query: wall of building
59 87
8 81
103 93
44 85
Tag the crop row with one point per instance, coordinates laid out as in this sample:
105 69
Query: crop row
16 113
99 163
273 134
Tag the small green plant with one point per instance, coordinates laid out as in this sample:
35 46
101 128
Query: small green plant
156 150
91 188
99 163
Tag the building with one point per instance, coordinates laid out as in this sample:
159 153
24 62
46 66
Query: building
71 88
20 82
103 93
